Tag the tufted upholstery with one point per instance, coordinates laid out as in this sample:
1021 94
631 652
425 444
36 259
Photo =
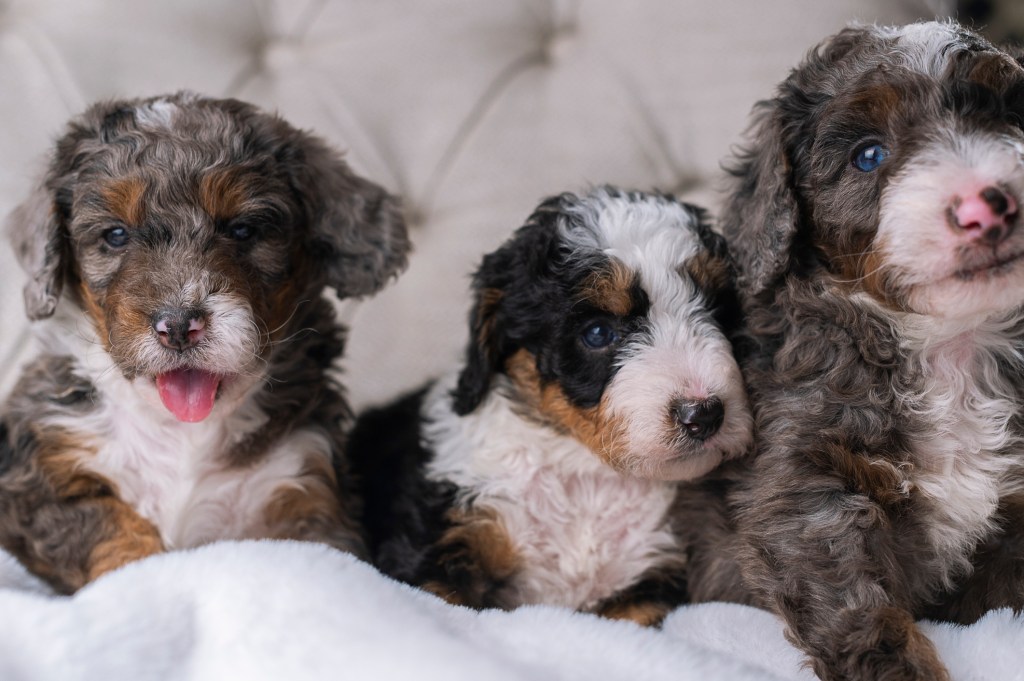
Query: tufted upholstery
472 110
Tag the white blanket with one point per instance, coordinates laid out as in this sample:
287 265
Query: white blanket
288 610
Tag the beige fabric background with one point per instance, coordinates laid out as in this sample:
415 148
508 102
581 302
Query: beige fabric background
473 110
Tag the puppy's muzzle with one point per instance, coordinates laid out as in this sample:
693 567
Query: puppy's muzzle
698 420
180 329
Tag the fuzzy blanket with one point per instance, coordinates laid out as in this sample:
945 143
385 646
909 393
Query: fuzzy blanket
287 610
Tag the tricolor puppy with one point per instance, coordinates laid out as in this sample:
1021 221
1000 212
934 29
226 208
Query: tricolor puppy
177 250
876 225
597 375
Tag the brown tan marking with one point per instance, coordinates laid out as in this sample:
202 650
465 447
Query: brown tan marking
307 508
487 308
709 272
862 268
223 193
603 434
611 289
995 71
62 456
95 312
646 614
131 538
874 477
125 198
120 535
477 548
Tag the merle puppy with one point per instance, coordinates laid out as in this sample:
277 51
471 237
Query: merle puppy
875 223
597 375
177 250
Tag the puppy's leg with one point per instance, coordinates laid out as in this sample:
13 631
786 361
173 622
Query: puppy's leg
474 562
829 561
998 577
310 508
65 526
649 600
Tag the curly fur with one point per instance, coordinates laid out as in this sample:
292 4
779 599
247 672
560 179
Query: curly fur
887 372
230 216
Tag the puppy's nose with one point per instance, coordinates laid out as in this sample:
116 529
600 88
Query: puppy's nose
988 216
179 329
699 420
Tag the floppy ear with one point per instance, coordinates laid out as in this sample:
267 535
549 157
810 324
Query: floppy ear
508 301
486 334
38 228
358 232
38 235
760 219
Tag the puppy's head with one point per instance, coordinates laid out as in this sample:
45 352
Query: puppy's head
189 231
890 164
608 314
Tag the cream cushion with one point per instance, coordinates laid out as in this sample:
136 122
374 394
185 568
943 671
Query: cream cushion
473 111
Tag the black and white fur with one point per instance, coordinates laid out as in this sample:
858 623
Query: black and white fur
546 470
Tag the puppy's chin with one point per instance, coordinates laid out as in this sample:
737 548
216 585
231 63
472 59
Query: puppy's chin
982 294
671 466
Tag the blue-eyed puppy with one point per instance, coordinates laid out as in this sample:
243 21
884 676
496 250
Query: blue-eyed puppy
598 374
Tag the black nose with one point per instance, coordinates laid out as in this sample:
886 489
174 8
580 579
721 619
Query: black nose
699 420
179 329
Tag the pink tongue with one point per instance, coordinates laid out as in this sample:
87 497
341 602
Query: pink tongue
189 394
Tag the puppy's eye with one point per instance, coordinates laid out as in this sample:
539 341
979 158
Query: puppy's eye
599 335
241 231
868 158
116 237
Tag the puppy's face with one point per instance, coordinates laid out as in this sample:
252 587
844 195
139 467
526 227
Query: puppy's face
190 231
892 158
607 313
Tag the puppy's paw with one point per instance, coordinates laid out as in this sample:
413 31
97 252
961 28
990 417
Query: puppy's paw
882 644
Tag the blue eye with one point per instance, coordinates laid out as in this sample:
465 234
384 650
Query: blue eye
870 157
116 237
241 231
599 335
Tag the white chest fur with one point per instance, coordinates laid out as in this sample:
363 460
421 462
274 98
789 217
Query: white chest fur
972 457
174 473
583 530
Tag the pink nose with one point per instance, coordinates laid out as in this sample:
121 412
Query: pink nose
988 216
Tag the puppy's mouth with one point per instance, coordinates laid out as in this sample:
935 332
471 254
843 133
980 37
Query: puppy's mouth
189 394
991 264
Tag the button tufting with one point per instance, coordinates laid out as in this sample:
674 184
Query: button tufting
557 42
279 54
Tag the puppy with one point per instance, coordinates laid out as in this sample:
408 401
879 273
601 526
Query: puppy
177 250
597 375
875 223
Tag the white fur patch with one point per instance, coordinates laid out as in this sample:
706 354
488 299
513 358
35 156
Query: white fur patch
171 472
156 114
924 47
584 530
919 244
971 457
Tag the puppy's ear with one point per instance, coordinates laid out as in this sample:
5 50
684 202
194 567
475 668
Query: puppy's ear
38 228
761 217
39 237
358 232
486 337
508 301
